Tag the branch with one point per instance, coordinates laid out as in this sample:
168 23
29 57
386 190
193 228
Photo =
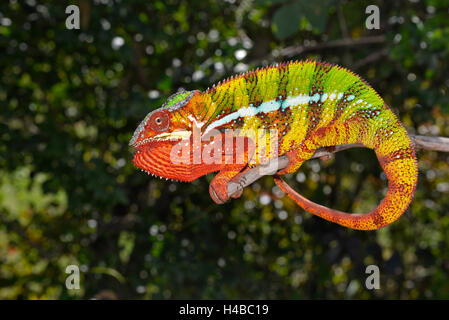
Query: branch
376 55
297 50
346 42
271 167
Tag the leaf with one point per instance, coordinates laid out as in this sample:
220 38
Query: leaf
165 84
110 272
315 12
126 245
286 20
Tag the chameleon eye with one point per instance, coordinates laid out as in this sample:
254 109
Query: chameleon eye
159 121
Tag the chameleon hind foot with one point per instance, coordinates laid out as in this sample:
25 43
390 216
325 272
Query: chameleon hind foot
328 156
296 158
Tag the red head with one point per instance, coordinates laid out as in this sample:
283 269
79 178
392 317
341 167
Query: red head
157 135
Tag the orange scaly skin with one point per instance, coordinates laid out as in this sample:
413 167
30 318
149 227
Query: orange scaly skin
306 105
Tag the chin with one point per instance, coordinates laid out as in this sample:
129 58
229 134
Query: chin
154 158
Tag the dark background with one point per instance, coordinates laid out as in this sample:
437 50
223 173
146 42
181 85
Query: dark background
69 193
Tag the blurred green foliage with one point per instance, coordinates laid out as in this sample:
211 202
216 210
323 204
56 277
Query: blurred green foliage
69 193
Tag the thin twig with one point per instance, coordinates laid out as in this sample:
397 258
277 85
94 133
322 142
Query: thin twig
297 50
289 52
271 167
376 55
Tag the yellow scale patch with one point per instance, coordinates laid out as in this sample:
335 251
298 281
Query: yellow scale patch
367 96
340 81
382 120
395 141
222 92
241 97
268 84
395 170
300 78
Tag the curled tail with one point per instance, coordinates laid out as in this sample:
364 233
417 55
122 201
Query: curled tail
396 155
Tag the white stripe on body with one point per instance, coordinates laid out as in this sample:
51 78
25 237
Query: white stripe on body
273 105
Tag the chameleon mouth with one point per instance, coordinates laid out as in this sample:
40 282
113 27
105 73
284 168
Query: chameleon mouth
156 159
166 136
157 156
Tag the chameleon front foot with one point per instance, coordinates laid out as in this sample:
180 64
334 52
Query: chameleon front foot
218 193
218 188
220 196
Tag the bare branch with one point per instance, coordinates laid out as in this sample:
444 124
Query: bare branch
376 55
297 50
431 143
271 167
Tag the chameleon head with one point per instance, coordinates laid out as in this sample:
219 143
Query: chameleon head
164 123
158 133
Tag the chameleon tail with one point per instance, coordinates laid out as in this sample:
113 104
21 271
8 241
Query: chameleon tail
397 158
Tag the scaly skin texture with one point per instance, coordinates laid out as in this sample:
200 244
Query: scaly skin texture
308 105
